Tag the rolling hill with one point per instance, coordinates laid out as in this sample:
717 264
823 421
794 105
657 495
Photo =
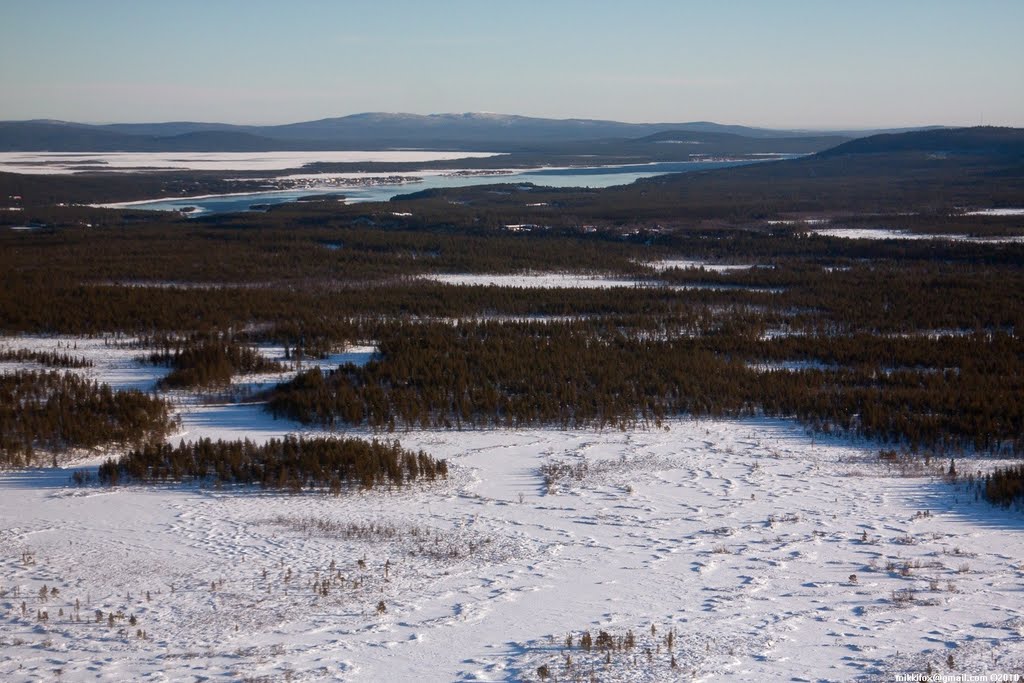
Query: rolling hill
470 132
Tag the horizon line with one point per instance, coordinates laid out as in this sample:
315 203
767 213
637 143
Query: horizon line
787 128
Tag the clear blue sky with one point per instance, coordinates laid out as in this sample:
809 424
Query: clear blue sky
783 63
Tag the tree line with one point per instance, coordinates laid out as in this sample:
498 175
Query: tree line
208 361
1004 486
53 359
43 413
292 463
529 374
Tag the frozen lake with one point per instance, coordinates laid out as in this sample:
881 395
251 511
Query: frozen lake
360 191
50 163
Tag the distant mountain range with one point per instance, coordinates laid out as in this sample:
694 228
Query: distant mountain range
468 132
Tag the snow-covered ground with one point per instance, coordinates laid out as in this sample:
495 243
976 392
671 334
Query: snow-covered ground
769 553
573 280
665 264
538 280
887 234
791 366
72 162
995 212
800 221
116 361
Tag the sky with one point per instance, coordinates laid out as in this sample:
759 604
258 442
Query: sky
774 63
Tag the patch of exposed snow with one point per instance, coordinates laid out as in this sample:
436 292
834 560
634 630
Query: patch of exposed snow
995 212
887 234
572 280
665 264
790 366
537 280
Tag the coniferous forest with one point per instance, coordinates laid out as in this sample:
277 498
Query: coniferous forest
292 464
207 362
43 413
52 359
1004 485
494 374
913 344
326 355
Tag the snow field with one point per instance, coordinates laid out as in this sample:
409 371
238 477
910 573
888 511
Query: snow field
887 234
572 281
770 554
665 264
71 162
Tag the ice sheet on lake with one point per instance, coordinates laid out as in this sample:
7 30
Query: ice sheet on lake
72 162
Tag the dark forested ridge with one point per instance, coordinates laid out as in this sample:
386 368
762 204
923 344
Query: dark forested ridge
981 140
932 172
